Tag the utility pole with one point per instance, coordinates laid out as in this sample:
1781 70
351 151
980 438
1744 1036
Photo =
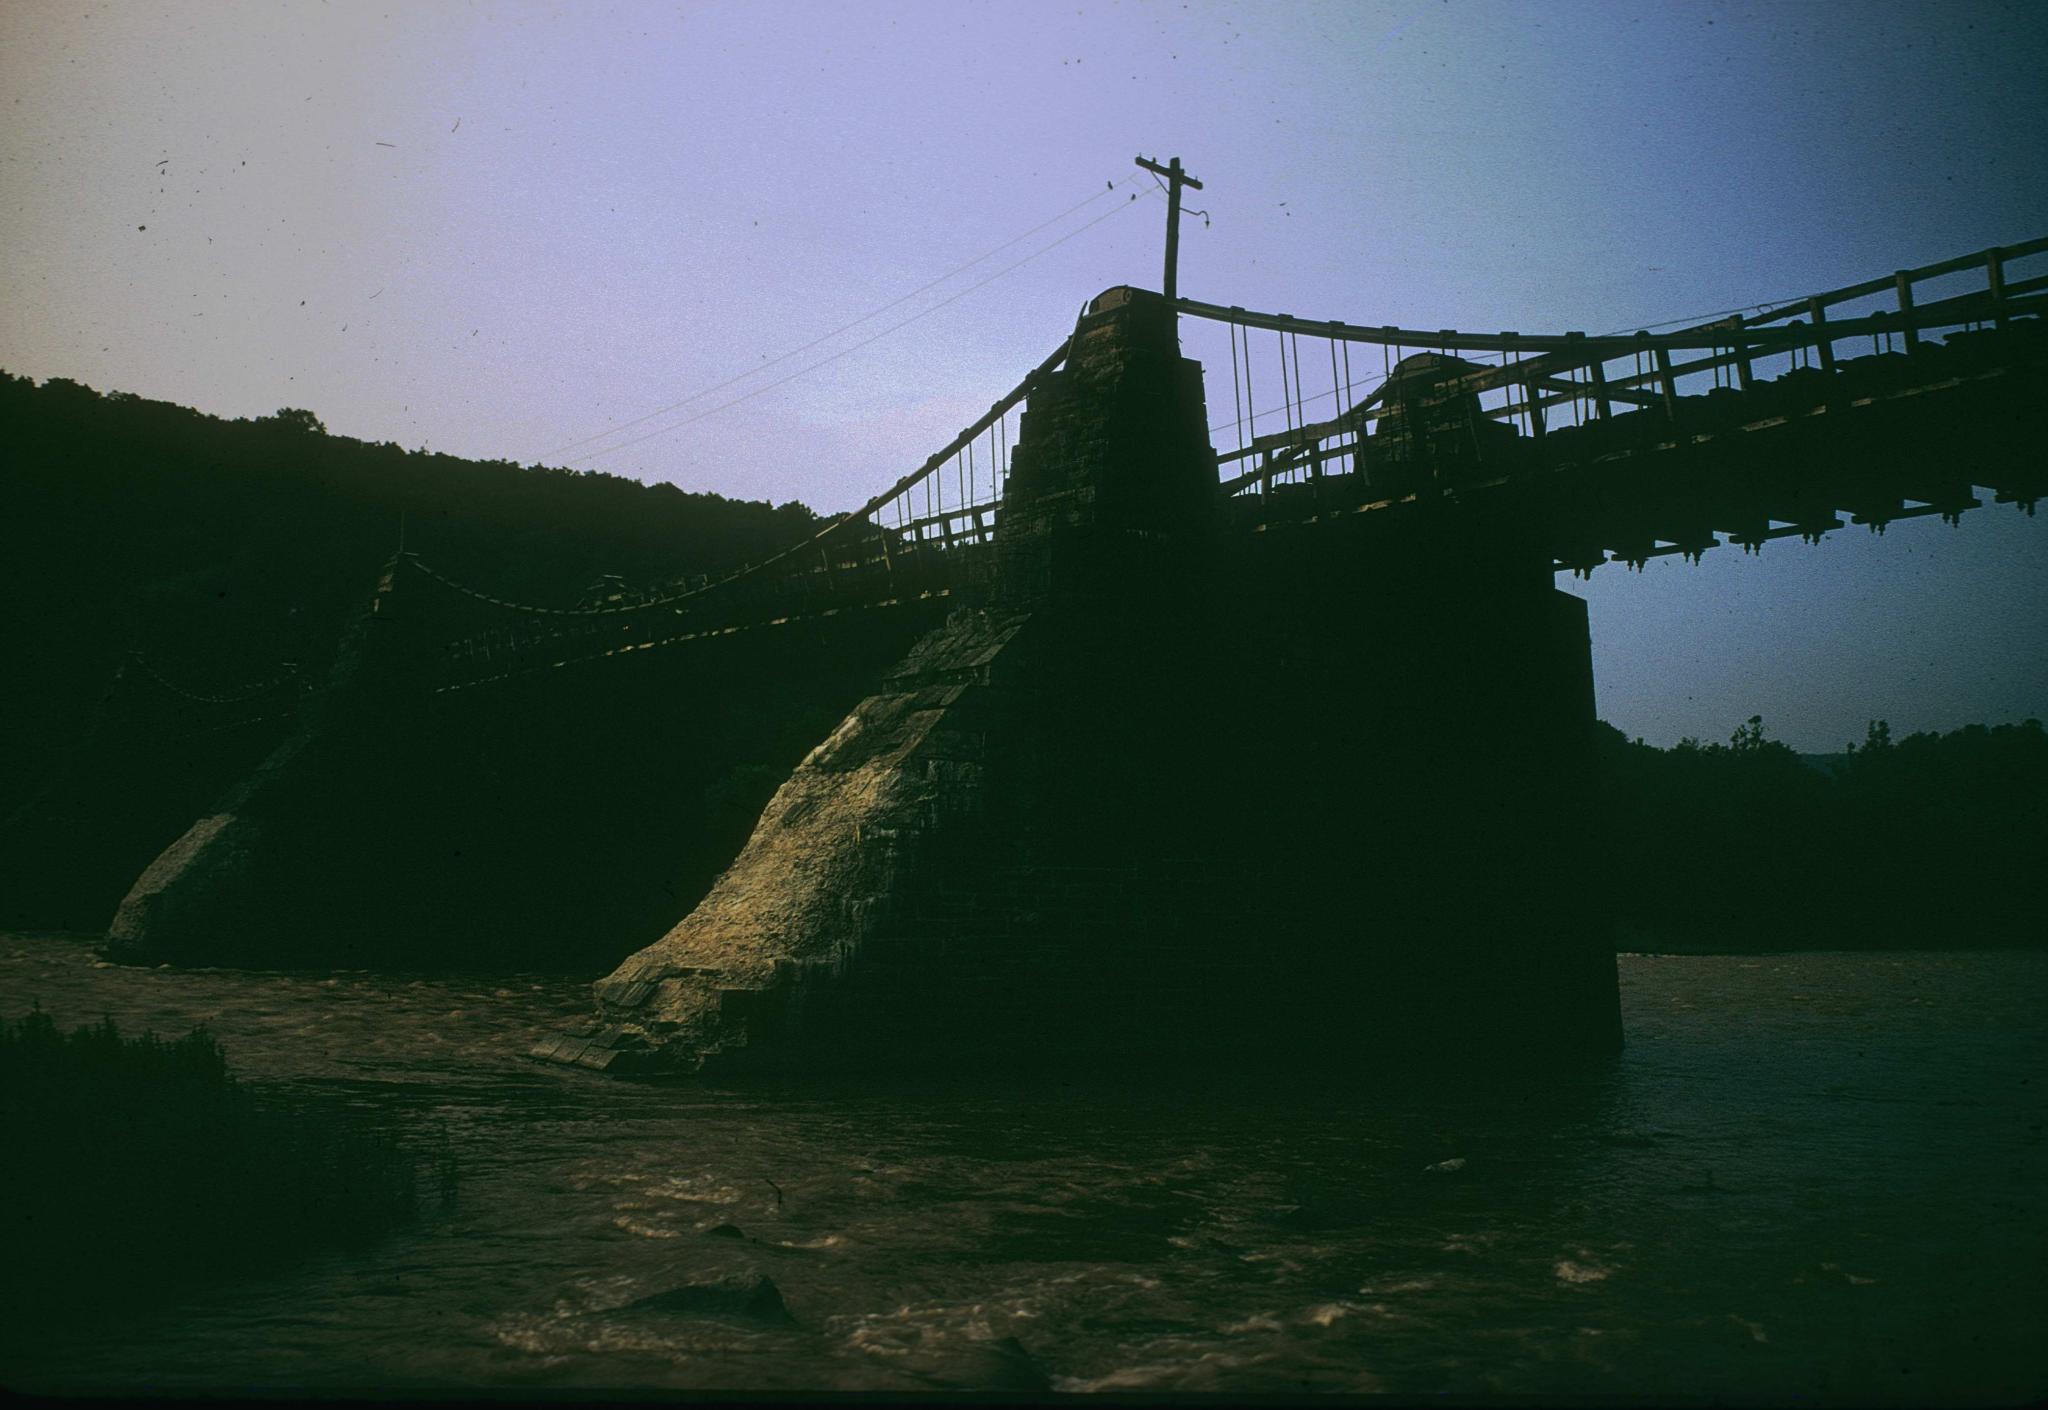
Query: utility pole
1175 179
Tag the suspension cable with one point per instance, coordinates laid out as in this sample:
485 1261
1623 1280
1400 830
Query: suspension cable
246 692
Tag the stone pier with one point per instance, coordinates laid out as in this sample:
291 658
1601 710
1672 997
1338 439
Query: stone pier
1162 796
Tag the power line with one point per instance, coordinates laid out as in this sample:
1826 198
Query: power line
856 347
844 327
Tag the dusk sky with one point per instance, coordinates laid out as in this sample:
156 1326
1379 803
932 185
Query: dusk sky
502 230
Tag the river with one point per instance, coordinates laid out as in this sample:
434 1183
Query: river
1812 1174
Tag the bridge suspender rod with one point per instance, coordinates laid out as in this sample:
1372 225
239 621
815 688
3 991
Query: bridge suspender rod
1357 456
1336 387
1236 405
898 491
1286 412
903 486
988 418
1300 404
1281 446
1251 407
1904 285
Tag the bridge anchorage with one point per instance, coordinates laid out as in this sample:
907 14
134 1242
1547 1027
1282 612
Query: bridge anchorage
1242 754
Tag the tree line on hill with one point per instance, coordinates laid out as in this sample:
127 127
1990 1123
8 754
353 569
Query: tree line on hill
161 560
1933 840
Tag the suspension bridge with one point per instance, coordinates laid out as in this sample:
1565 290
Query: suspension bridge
1135 650
1610 449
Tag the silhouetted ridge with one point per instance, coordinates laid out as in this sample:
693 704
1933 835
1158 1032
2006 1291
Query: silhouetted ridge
1926 842
181 582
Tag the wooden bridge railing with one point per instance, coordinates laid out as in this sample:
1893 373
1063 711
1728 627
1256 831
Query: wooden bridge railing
1543 373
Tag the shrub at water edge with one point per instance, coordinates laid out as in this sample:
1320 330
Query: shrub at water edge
136 1164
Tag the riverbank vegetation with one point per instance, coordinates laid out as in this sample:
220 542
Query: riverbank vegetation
1929 841
137 1166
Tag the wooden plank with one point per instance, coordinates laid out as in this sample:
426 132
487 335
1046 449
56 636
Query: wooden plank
1601 405
1823 344
2004 253
1902 283
1971 261
1667 383
1616 390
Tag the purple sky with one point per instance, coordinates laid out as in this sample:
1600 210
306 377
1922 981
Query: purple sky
500 229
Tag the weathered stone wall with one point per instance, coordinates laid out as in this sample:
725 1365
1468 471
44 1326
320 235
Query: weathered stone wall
837 847
1112 490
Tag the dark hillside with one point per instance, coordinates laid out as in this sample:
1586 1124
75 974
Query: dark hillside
179 581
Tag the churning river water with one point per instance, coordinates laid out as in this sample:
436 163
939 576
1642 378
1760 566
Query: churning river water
1814 1174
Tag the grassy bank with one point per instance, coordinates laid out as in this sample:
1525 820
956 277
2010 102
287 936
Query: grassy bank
137 1166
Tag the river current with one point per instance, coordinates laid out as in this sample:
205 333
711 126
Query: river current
1808 1175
